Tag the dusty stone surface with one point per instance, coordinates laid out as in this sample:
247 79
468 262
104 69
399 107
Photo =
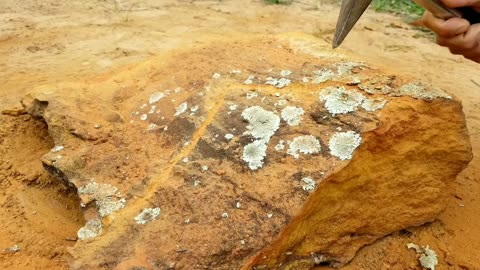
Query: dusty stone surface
149 150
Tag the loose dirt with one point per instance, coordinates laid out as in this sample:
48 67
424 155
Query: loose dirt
52 41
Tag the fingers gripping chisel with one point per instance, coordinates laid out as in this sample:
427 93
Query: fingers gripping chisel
352 10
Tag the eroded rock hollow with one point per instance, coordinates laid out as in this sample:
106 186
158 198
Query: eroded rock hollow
260 153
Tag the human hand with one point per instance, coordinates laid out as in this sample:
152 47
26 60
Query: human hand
457 34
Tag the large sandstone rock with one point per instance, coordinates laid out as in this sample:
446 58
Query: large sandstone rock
260 153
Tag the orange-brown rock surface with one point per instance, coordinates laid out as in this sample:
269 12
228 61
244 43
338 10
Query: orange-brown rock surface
268 153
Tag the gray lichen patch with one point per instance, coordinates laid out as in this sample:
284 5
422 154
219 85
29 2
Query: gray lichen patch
343 144
428 258
308 184
254 153
280 145
281 103
262 123
292 115
285 73
346 68
92 229
306 144
181 109
371 105
279 83
156 97
323 75
147 215
251 95
106 196
57 148
249 80
338 100
420 90
12 249
232 107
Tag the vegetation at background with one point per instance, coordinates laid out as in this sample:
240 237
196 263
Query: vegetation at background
278 2
401 7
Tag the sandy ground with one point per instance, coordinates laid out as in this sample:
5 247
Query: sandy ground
47 41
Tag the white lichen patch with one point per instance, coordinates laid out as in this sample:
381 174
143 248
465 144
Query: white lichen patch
355 81
251 95
342 144
181 109
156 97
308 184
57 148
92 229
236 71
147 215
254 153
106 196
12 249
420 90
279 83
194 108
305 79
347 67
306 144
292 115
229 136
232 107
415 247
262 123
249 80
371 105
285 73
152 109
280 145
281 103
428 258
338 100
109 205
323 75
216 76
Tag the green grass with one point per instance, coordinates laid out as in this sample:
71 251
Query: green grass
278 2
402 7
